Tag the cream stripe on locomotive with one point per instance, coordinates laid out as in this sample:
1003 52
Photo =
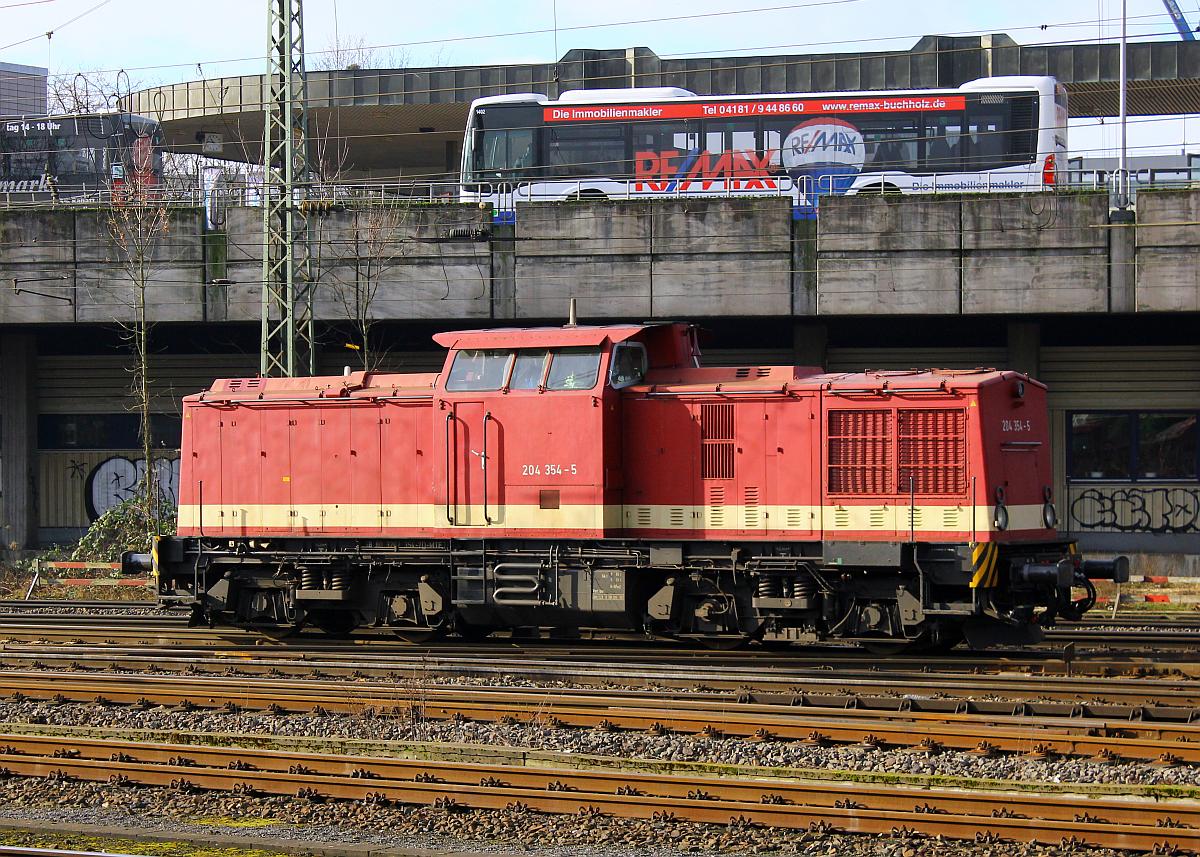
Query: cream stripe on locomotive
803 519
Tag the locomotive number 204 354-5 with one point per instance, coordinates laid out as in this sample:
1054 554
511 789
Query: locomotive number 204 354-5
549 469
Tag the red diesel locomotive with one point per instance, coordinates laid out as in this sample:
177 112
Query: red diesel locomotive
596 477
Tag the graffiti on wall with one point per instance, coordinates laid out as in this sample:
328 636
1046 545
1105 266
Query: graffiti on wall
1137 510
116 479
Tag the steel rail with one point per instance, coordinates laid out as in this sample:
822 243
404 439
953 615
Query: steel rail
139 626
691 714
749 675
1133 824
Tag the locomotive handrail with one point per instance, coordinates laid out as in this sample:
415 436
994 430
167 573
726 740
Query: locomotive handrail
487 418
313 400
449 513
888 391
769 392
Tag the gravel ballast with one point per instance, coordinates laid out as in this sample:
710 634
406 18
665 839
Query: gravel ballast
634 745
403 827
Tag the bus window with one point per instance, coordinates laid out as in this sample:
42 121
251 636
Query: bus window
660 148
662 136
474 369
943 143
985 142
573 369
730 137
891 144
587 150
528 370
508 152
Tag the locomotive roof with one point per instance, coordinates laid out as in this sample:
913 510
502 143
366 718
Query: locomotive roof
540 337
318 387
779 379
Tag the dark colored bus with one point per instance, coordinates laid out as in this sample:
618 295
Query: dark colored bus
77 157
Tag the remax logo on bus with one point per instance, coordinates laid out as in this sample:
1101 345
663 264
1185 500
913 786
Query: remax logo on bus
674 170
829 151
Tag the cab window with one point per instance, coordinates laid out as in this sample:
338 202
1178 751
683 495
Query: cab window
528 369
628 365
476 369
573 369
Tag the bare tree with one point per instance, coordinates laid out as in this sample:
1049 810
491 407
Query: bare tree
352 53
361 257
84 92
138 221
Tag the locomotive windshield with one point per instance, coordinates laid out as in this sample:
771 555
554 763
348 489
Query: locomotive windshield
480 370
574 369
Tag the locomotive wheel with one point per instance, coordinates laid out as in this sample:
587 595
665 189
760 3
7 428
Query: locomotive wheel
725 642
419 636
947 639
472 633
890 648
334 623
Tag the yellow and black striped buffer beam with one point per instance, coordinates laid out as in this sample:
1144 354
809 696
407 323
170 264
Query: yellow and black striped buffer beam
985 564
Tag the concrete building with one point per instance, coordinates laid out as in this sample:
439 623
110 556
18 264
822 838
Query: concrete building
1104 314
22 90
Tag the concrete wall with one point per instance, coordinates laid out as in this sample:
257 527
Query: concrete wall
649 260
1018 255
1168 265
82 265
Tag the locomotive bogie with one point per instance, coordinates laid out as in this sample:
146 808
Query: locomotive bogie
595 477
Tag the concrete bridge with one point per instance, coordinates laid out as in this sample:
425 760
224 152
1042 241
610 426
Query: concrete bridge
1105 313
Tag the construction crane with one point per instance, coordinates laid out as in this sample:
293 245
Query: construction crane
1181 24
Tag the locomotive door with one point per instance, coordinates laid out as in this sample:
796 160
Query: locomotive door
472 471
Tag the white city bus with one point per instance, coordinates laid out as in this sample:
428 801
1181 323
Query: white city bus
992 134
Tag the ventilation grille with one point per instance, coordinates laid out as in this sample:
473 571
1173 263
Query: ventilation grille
753 512
716 441
753 372
933 450
716 506
860 452
245 384
676 516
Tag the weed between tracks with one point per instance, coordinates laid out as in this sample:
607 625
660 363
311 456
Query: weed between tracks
84 842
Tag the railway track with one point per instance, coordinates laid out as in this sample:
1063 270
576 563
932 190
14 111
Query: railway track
140 626
861 808
1164 735
950 683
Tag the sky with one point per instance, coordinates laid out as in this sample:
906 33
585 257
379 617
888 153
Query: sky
165 41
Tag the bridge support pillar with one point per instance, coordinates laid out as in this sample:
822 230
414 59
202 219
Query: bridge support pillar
810 343
1024 341
18 434
1122 263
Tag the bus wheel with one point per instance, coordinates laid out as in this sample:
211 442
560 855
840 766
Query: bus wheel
883 189
587 196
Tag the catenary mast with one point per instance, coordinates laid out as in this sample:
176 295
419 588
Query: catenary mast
287 305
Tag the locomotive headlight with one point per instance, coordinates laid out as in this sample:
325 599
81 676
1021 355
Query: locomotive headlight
1000 519
1049 515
